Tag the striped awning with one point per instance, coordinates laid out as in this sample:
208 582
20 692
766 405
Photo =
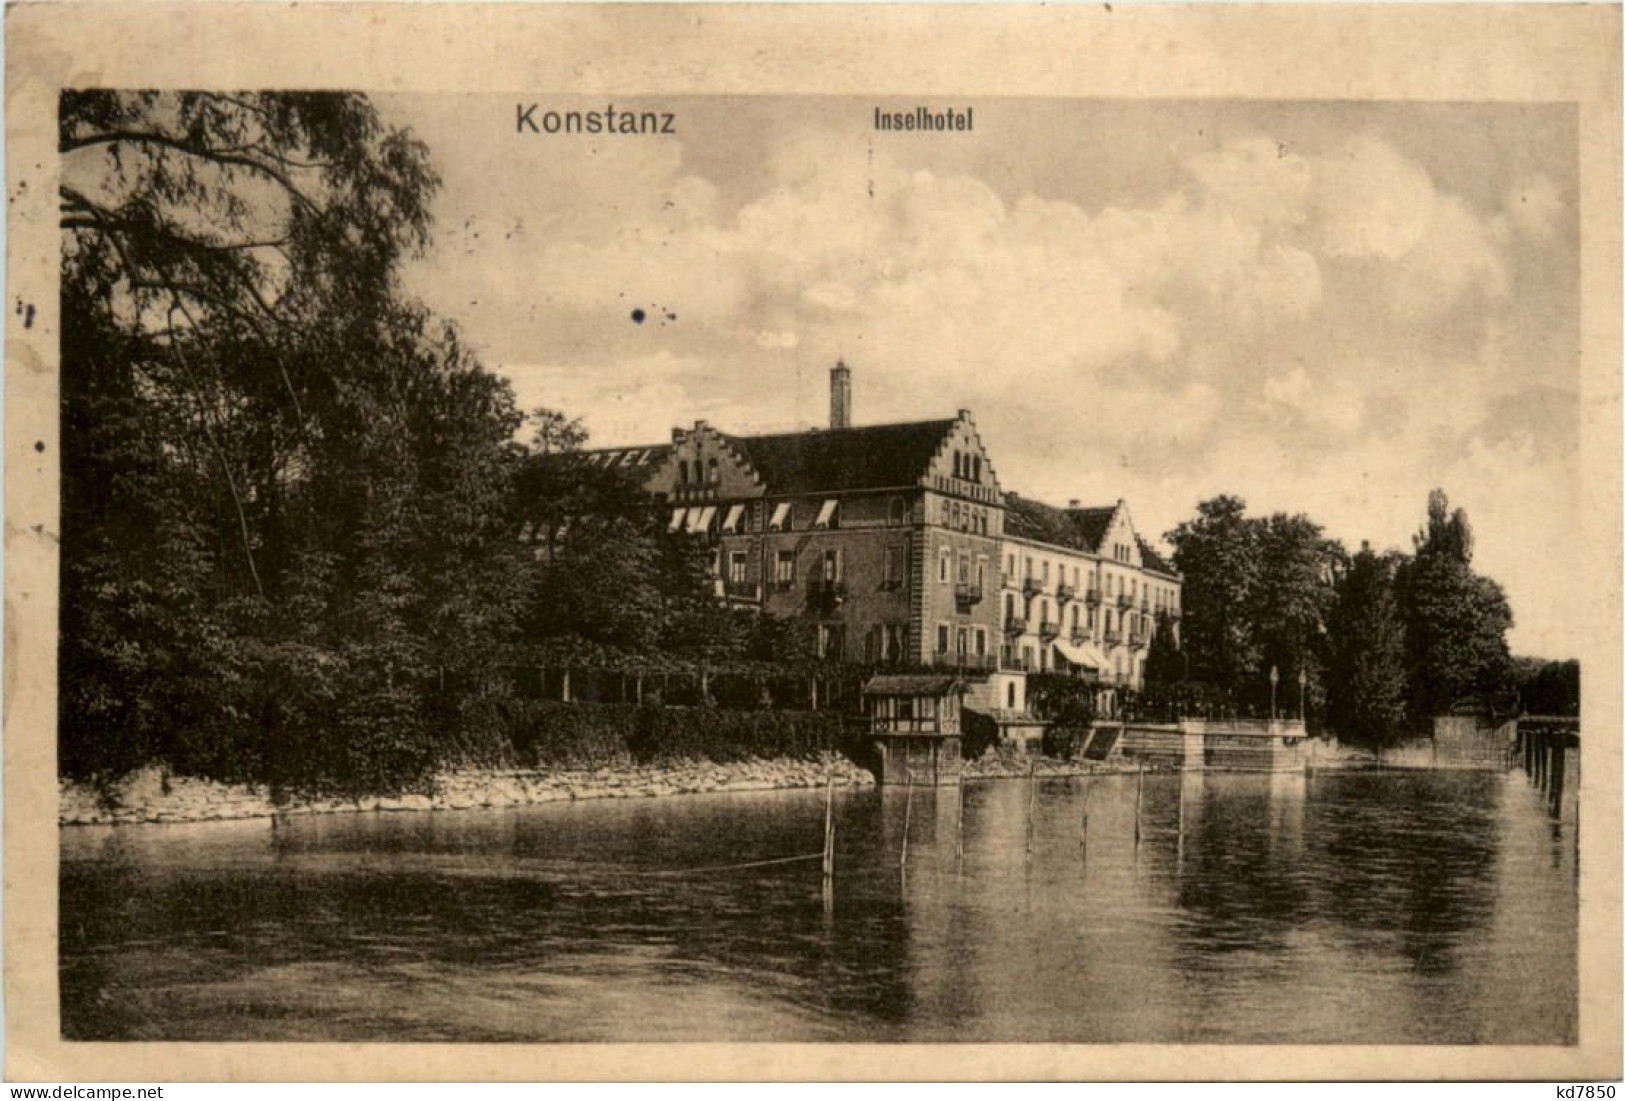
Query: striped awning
1086 654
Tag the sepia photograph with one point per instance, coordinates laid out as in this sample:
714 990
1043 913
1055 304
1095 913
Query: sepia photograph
851 568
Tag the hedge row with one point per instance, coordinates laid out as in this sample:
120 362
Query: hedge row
547 733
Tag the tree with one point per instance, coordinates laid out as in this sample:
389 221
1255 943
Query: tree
1455 620
1294 596
1548 687
1366 654
1164 661
1221 559
288 495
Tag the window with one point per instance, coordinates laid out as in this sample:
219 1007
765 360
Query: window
964 568
682 472
981 642
893 646
736 567
942 565
1029 567
942 638
1009 606
830 640
897 511
1046 573
962 640
1010 564
1010 695
832 565
711 474
976 468
1091 620
893 576
784 568
981 572
1074 617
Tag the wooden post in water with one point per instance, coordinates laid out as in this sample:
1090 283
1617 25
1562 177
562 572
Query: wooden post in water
959 827
908 815
1032 794
1083 819
1139 794
829 832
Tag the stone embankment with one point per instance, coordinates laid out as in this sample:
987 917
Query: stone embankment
150 796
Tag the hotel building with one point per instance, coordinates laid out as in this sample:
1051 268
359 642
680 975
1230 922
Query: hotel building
898 545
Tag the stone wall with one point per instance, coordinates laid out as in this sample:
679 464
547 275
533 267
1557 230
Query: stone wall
150 796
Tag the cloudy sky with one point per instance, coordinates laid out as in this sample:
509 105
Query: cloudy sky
1321 307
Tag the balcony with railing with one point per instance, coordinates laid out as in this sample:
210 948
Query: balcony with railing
1139 637
970 663
967 593
1049 629
1124 601
1015 625
1031 585
1065 592
1112 636
1091 595
1012 662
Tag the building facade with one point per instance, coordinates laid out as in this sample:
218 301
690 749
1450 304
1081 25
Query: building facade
899 545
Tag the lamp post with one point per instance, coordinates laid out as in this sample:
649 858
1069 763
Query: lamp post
1275 678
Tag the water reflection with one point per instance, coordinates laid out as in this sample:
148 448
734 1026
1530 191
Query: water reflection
1415 907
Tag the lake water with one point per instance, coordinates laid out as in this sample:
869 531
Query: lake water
1394 907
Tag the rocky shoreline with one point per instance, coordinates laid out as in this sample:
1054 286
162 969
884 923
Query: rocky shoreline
150 796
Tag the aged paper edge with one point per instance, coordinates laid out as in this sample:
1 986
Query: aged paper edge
1505 53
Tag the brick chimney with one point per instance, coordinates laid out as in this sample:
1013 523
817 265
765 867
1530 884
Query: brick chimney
840 396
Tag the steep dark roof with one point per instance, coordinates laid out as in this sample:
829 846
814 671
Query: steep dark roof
1078 528
911 684
1151 560
874 457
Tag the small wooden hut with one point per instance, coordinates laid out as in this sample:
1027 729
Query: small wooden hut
914 727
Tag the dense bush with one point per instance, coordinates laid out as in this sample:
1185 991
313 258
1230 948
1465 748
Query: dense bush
574 735
713 734
1064 742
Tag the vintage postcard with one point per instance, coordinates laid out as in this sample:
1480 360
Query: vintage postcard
812 542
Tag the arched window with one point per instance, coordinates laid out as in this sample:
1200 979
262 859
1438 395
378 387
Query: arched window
897 511
682 472
1010 695
711 472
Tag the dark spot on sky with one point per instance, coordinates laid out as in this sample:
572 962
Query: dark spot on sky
637 316
39 445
